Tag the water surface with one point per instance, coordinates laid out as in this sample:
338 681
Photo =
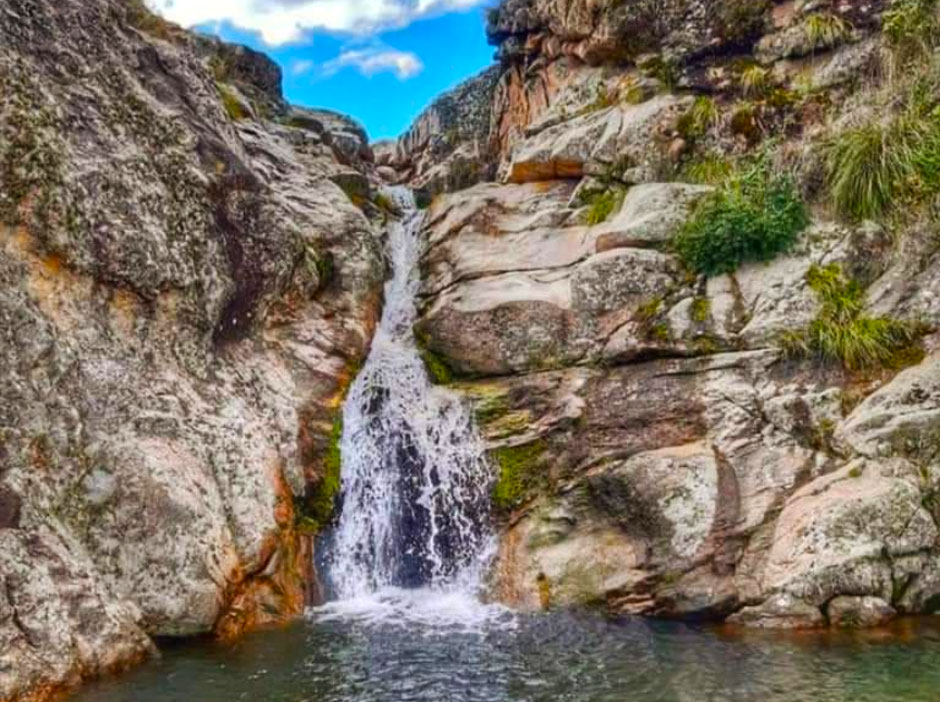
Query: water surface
453 653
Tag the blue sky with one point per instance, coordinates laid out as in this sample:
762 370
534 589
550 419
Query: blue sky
380 61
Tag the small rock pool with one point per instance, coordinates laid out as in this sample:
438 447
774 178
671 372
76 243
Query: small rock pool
452 651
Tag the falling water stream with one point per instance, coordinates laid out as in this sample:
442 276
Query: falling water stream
405 621
413 535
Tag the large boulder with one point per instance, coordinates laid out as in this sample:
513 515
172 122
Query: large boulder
610 141
903 417
850 533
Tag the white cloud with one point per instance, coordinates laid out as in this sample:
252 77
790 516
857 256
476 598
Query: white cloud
287 21
403 64
300 67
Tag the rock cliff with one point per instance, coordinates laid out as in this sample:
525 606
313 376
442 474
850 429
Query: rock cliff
677 430
186 287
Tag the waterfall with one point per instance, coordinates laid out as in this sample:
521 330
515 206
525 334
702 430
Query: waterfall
415 483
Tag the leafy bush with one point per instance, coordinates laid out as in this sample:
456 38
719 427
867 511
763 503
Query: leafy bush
877 165
752 217
843 333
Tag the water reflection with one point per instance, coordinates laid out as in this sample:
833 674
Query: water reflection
542 658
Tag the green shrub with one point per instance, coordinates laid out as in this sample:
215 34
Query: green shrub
875 166
752 217
843 333
602 205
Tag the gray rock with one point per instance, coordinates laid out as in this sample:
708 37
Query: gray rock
780 612
902 417
859 612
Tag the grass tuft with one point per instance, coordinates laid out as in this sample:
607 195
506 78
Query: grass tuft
912 27
602 205
755 81
140 17
709 169
843 333
823 31
698 119
231 103
878 165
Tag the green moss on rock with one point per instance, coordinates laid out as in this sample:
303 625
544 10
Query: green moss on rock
320 503
518 473
438 369
233 106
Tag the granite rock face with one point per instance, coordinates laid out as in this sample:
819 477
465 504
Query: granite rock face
183 290
658 451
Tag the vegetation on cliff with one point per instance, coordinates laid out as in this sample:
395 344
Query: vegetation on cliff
753 216
843 332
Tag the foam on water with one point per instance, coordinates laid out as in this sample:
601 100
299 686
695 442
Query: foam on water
413 535
430 611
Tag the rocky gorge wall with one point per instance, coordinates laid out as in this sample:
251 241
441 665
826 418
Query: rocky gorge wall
191 270
680 435
186 288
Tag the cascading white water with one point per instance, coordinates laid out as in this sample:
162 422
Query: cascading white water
415 483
